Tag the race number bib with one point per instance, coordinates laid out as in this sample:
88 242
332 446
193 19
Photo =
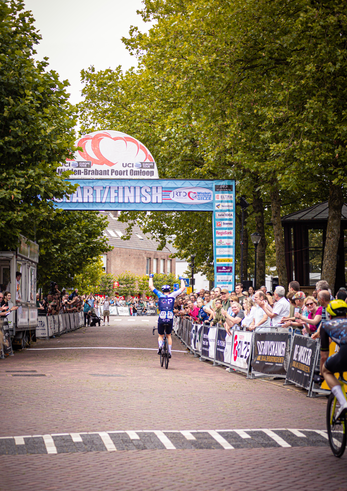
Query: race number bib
162 314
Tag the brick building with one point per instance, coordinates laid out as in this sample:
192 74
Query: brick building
139 255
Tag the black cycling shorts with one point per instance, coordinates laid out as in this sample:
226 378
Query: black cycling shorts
164 326
338 363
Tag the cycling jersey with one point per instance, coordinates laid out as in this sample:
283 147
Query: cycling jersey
166 305
336 329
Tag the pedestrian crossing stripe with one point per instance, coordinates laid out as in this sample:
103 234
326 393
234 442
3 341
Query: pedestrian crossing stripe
113 441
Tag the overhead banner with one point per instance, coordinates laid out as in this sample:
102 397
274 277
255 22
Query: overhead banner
301 363
269 352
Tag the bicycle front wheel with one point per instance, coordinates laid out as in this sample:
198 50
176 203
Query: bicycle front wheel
336 428
161 358
167 360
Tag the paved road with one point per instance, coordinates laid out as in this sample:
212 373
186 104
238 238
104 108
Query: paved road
93 410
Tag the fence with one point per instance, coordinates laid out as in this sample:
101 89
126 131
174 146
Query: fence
55 325
274 353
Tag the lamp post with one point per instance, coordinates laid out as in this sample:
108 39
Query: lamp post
244 205
192 257
256 238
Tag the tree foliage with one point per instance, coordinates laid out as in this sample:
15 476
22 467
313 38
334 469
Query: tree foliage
106 284
89 279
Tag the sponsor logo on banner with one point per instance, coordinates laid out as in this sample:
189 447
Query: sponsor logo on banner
193 196
224 224
224 214
224 197
224 269
224 206
225 242
241 349
222 278
224 260
224 233
224 187
224 252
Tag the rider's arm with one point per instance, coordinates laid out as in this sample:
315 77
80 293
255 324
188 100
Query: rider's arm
150 282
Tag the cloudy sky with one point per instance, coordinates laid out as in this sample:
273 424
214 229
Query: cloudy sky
79 33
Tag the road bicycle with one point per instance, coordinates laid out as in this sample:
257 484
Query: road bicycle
164 352
336 426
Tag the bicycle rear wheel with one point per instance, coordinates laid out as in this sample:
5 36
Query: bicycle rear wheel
336 428
161 357
167 360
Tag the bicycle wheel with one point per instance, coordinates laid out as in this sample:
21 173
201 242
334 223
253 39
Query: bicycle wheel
336 428
167 360
162 357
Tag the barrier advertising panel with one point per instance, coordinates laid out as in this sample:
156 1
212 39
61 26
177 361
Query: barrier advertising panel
41 329
123 311
196 337
50 325
208 342
242 344
62 327
269 352
113 310
224 347
302 359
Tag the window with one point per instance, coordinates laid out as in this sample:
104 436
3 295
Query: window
169 266
112 234
139 236
148 266
119 233
155 265
162 266
315 244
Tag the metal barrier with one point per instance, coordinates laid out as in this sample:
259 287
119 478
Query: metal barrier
55 325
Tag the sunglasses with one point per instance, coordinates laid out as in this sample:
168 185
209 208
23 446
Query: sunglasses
309 304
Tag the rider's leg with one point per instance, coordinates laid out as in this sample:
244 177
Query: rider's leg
169 342
331 366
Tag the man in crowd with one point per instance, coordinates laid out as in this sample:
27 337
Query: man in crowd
225 296
280 308
239 293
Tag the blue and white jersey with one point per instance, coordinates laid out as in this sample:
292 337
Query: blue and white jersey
166 304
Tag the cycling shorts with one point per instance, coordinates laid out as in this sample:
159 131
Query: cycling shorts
337 363
164 326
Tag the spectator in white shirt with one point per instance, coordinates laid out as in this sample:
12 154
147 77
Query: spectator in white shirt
280 308
260 318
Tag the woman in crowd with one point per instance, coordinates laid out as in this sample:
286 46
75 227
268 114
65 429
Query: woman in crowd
251 292
202 315
249 311
312 322
233 317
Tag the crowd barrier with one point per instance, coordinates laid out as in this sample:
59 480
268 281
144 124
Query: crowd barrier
128 311
274 353
55 325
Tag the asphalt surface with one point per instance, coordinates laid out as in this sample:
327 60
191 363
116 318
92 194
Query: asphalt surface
93 409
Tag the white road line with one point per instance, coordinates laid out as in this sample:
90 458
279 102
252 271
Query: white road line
132 320
133 435
277 438
297 433
164 440
105 437
100 347
50 446
322 433
76 437
117 320
188 435
242 434
222 441
19 440
144 320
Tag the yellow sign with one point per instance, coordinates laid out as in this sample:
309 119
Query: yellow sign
333 348
189 290
224 259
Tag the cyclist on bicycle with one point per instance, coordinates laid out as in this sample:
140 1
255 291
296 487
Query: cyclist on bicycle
166 302
336 329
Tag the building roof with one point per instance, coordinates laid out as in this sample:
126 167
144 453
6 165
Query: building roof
316 213
138 240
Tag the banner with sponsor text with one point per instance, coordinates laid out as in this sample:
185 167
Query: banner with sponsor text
302 359
269 352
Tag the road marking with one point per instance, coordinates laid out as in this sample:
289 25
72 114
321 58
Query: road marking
132 320
297 433
49 442
100 347
322 433
76 437
164 440
188 435
277 438
105 437
222 441
242 434
19 440
133 435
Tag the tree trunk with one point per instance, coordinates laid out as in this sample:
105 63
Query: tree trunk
335 204
258 208
245 250
278 234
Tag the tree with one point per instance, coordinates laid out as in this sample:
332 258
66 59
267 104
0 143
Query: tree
127 284
36 128
106 284
89 279
69 241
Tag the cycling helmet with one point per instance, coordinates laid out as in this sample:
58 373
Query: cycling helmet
165 288
337 308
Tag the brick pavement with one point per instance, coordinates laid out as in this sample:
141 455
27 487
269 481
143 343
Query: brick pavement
109 390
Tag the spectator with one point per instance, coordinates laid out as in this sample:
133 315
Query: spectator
298 299
73 294
225 298
202 315
251 292
260 318
341 294
106 312
312 321
86 312
249 310
193 311
217 314
233 317
239 293
294 286
280 308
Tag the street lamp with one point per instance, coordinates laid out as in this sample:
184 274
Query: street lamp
192 257
256 238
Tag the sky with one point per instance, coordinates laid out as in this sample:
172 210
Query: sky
79 33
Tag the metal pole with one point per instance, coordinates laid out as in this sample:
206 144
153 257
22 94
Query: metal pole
241 244
255 267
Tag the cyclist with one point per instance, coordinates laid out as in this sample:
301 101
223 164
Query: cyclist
336 329
166 302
